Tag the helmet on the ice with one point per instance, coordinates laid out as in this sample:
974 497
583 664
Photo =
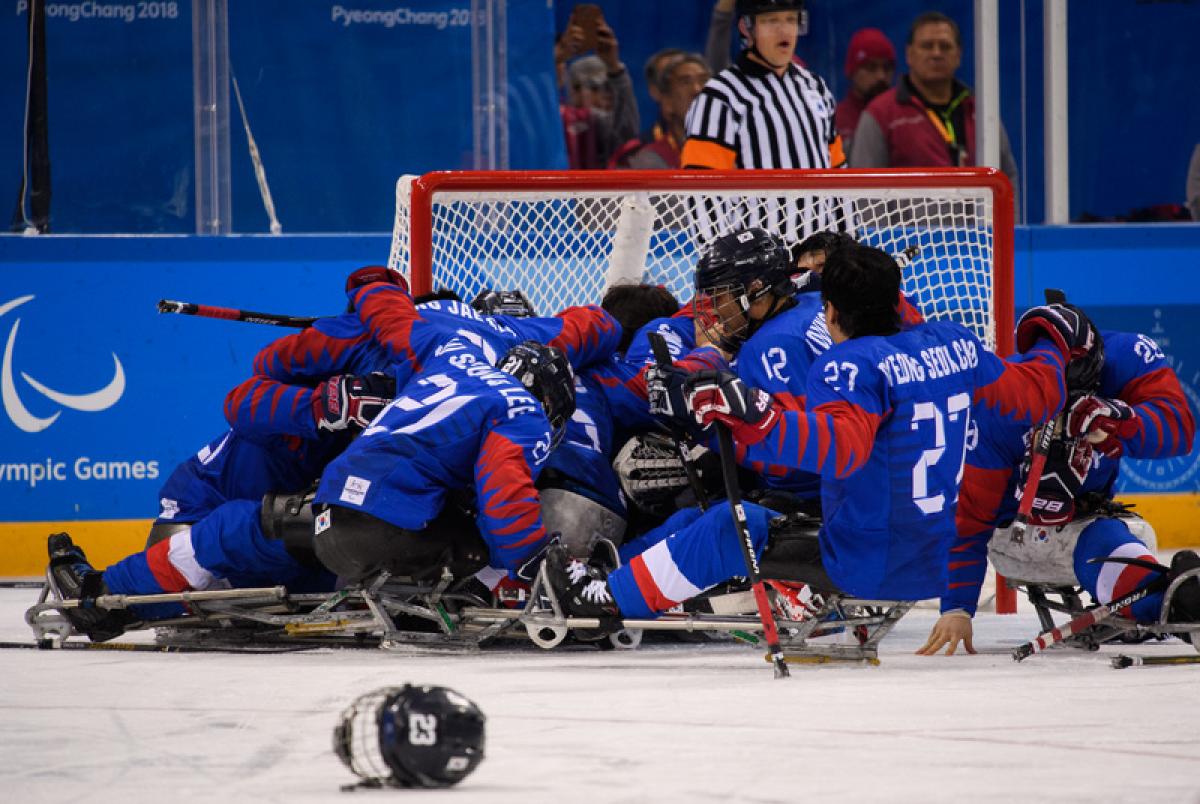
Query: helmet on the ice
411 736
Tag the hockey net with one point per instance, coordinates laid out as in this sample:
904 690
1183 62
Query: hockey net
563 237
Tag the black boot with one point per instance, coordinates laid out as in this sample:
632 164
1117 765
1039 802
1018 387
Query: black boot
580 588
1185 603
73 578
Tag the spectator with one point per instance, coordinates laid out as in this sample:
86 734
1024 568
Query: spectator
654 66
601 111
871 68
764 111
928 119
1193 185
680 80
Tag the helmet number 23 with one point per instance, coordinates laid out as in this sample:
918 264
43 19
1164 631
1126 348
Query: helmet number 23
422 729
957 415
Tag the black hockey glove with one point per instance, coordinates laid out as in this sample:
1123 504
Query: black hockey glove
1066 325
664 390
347 401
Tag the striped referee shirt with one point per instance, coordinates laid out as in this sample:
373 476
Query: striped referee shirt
749 117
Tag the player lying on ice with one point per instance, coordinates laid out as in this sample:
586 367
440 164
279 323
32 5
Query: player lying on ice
885 427
1123 400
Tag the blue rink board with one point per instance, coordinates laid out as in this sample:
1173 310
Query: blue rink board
71 308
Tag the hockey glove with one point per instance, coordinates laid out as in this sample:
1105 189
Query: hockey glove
1067 464
1064 324
664 390
720 396
346 401
1104 422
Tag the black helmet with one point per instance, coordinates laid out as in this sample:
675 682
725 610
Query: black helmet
737 270
411 736
545 372
503 302
1083 373
752 7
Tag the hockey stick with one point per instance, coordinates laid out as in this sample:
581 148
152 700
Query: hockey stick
1093 616
150 647
734 495
231 314
1040 448
1123 661
662 358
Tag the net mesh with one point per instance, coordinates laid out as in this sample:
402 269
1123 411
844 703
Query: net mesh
564 248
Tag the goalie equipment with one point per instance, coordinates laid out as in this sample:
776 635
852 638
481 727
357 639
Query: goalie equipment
737 270
346 401
579 521
546 374
411 736
504 302
652 474
1046 555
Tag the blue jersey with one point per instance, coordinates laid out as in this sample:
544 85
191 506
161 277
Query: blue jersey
1136 372
460 424
887 429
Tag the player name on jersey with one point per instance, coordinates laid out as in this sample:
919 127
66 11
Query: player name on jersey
938 361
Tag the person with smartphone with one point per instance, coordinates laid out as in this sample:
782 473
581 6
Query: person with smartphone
600 111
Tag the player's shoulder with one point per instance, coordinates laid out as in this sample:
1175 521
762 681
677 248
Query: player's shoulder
1130 345
344 326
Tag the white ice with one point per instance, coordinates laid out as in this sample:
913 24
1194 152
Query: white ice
688 723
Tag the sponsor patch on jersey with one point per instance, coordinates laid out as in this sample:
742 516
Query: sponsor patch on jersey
168 508
355 490
323 521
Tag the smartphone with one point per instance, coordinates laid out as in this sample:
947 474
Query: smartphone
588 17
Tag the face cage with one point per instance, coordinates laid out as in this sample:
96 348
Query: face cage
358 737
712 314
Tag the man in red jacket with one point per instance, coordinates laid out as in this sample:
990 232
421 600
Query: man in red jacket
871 68
928 118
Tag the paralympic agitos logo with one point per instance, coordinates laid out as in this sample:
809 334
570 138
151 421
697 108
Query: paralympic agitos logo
92 402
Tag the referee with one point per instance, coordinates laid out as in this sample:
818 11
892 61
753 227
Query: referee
766 111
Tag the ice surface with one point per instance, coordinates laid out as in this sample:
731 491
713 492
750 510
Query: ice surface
688 723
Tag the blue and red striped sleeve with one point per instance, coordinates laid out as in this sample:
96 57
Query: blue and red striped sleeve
392 319
1026 388
980 497
1137 373
261 406
310 355
589 335
510 516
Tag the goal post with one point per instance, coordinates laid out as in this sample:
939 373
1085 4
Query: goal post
563 237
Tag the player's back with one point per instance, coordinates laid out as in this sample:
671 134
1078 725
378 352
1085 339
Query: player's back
889 525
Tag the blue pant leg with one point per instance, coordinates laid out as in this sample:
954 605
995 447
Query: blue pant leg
699 555
1106 581
675 522
230 544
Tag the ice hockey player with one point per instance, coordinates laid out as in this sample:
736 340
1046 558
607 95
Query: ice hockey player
1124 400
389 502
886 427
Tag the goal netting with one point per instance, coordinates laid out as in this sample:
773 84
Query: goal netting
563 237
